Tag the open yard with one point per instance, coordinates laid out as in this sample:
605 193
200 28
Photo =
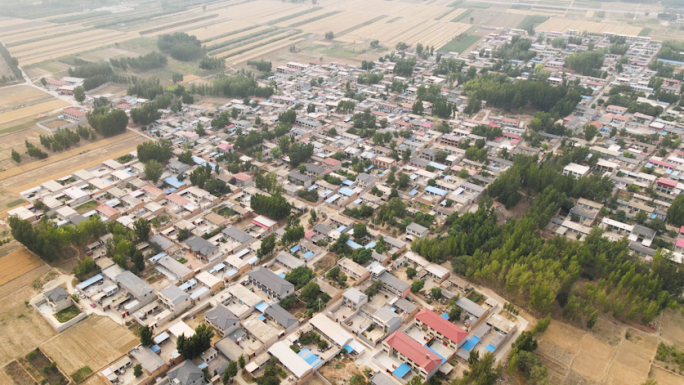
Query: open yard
95 342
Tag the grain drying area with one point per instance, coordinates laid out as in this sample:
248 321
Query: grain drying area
562 25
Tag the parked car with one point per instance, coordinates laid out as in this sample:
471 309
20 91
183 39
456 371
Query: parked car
93 305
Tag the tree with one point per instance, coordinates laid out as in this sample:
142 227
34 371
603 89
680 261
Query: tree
455 313
275 207
137 370
406 156
675 213
417 286
542 325
230 372
362 255
300 153
141 227
108 122
590 132
436 293
146 336
146 114
153 171
43 82
15 156
411 272
591 320
79 94
360 231
241 361
267 246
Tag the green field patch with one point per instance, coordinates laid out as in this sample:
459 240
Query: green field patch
532 21
340 50
393 20
65 315
462 15
82 374
84 208
221 36
460 43
440 17
222 44
15 203
645 32
242 43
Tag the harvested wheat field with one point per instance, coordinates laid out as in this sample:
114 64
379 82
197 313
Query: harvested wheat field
13 97
562 25
32 111
95 342
21 327
17 264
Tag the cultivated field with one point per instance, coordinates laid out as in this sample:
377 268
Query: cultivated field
562 25
95 342
613 353
16 264
17 96
32 111
21 327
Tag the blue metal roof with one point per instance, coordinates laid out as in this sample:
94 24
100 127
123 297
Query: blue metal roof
173 181
435 190
353 244
90 282
346 191
468 346
401 370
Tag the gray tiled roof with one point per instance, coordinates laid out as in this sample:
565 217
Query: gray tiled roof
56 294
134 285
186 373
201 245
272 281
221 317
236 234
281 316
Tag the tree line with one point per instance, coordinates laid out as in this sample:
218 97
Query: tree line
180 46
150 61
275 207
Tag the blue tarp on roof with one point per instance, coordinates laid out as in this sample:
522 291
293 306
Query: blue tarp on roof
307 256
438 166
312 187
445 316
347 182
353 244
490 348
438 355
333 198
413 192
155 349
435 190
348 348
281 275
370 245
90 282
295 249
303 352
468 346
311 358
231 273
173 181
346 191
401 370
341 228
202 365
262 306
261 317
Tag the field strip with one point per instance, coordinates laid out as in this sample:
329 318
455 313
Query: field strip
359 26
205 33
237 35
66 155
285 23
265 49
241 44
242 50
39 32
58 54
35 52
79 38
36 109
183 23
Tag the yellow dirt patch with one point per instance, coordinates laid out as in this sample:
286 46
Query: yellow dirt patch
189 78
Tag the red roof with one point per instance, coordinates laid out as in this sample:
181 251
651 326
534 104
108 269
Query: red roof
331 161
414 351
680 243
74 112
242 177
107 210
441 326
177 199
664 164
667 182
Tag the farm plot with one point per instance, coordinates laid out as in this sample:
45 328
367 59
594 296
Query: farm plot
342 21
263 50
218 29
609 354
35 109
253 42
39 32
299 19
16 264
77 48
95 342
237 36
27 50
13 97
562 25
259 11
21 327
